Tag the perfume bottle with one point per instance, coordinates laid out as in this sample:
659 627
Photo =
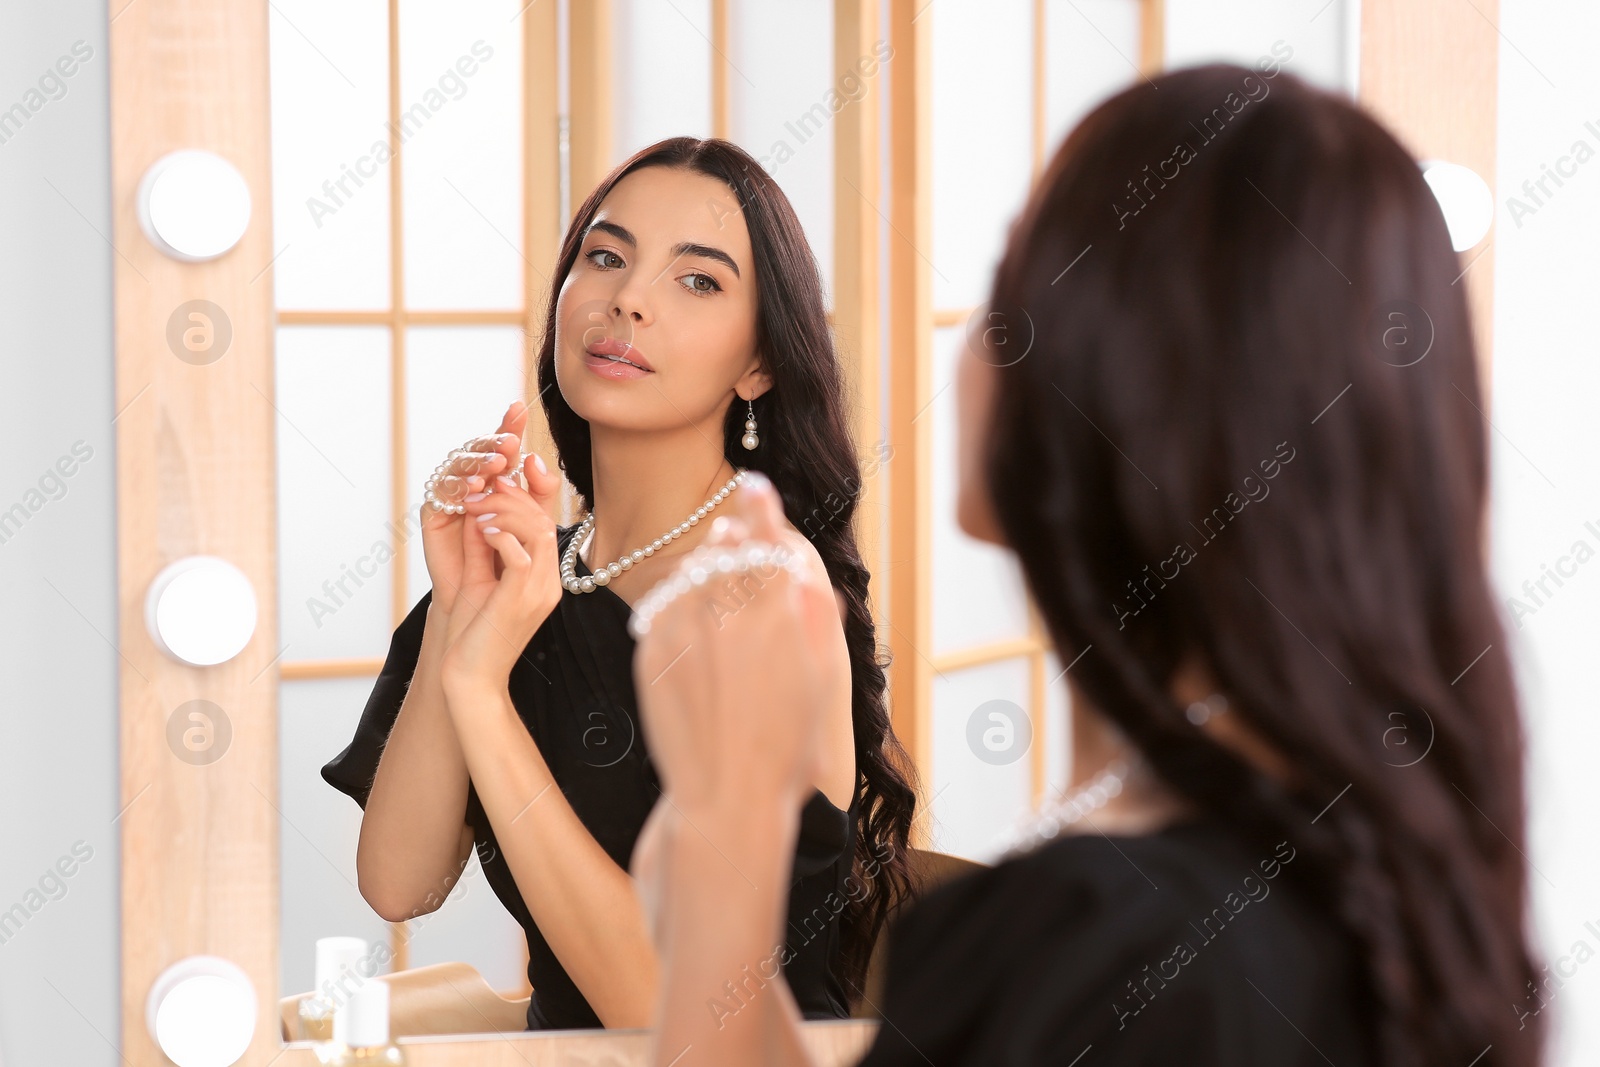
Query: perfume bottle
336 957
361 1030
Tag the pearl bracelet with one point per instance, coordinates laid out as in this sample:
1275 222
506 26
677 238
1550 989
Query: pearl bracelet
430 488
708 562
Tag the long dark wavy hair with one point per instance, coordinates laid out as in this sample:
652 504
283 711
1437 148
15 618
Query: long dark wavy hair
1249 430
807 450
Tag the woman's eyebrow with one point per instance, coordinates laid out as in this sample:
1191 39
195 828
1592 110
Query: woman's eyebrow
686 248
682 248
621 233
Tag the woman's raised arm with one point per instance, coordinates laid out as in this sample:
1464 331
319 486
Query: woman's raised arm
736 736
415 842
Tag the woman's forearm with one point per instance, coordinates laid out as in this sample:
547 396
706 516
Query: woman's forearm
414 839
586 906
724 881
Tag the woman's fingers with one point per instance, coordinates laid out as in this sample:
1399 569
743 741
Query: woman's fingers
508 441
512 552
435 519
479 462
758 505
477 555
516 419
727 531
527 587
505 443
544 484
513 509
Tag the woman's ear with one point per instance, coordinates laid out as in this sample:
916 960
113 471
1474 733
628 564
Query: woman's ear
754 381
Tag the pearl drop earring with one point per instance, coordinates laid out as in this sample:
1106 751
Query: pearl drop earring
750 440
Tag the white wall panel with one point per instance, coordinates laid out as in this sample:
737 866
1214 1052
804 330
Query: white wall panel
977 801
459 382
334 536
461 136
330 171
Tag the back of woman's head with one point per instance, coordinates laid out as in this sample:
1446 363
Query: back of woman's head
1249 433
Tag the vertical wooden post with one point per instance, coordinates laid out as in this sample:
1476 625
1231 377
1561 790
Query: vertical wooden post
721 99
1038 685
542 224
195 475
1152 37
589 95
1430 70
400 595
911 365
542 229
856 266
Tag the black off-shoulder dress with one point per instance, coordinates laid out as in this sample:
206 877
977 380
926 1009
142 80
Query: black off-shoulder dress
573 688
1183 946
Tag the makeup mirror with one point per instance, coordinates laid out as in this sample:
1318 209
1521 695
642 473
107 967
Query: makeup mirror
405 301
404 293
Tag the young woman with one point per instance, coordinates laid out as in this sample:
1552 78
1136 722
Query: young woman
685 344
1243 468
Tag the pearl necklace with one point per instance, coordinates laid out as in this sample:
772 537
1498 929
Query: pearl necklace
1055 816
603 575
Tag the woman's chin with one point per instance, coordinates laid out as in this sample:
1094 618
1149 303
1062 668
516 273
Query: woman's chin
612 413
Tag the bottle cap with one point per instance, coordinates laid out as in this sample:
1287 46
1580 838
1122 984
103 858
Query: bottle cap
365 1018
334 956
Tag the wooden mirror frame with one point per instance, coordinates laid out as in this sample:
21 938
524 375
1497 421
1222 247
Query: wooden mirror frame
196 457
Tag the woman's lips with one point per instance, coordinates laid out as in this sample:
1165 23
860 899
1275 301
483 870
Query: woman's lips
597 351
610 368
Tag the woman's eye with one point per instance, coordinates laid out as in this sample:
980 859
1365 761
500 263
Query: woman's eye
694 286
605 252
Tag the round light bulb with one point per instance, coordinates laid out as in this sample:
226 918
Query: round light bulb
193 205
201 1012
1465 199
201 610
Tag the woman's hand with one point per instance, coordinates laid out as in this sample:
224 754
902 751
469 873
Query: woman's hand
510 580
441 530
728 675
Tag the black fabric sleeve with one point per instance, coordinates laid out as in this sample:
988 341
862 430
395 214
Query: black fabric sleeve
352 770
825 835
